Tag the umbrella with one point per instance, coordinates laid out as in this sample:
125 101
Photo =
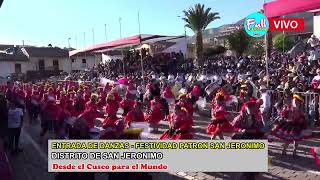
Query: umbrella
123 81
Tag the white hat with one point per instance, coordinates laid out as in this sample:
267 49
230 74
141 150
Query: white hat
171 77
293 90
183 91
51 99
263 87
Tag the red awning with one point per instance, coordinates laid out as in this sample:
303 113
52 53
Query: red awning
284 7
137 39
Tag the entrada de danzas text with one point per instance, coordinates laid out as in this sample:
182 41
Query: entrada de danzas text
158 145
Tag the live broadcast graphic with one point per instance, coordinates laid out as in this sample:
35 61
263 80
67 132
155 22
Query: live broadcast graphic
157 156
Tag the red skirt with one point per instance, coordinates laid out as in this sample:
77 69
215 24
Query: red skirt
290 131
178 136
316 154
155 117
109 122
220 126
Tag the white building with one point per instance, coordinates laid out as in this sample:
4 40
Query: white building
84 61
48 58
12 60
20 60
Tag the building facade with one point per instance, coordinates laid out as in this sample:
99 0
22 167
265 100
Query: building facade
81 62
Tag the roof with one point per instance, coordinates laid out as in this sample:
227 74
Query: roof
132 40
46 52
5 46
275 8
13 57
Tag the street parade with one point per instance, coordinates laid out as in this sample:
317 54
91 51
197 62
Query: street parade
178 88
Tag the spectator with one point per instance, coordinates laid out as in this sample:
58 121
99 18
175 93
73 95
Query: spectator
15 121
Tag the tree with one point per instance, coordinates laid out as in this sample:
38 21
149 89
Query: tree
197 18
239 41
256 47
282 42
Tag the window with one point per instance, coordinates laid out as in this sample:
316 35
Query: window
84 61
55 65
17 68
41 65
73 60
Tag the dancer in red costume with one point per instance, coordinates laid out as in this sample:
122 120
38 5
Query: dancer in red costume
167 93
155 115
87 94
249 122
220 118
186 102
292 127
135 115
50 117
250 126
117 97
89 116
101 100
34 106
79 103
180 125
92 104
315 151
111 112
63 99
127 104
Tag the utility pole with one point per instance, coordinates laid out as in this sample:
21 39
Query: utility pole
120 27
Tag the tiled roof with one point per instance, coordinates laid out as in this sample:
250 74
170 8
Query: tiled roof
47 52
13 57
5 46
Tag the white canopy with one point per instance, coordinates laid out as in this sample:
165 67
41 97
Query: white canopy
108 58
180 45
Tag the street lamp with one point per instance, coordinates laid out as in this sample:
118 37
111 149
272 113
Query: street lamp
69 43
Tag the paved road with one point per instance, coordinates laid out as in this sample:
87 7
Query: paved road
31 164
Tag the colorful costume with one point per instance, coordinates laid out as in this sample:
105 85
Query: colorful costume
250 125
292 127
79 105
126 105
220 122
155 115
134 116
180 126
90 115
111 112
186 102
315 151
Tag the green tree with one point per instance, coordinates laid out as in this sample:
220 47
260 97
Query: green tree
256 47
197 18
282 42
239 41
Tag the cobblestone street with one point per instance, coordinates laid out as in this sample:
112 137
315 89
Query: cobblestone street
31 164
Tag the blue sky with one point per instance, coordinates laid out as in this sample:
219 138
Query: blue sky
40 22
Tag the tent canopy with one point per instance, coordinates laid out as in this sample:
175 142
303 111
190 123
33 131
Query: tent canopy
283 7
125 42
181 45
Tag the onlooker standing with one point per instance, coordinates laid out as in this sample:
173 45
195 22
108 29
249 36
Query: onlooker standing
15 121
3 117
